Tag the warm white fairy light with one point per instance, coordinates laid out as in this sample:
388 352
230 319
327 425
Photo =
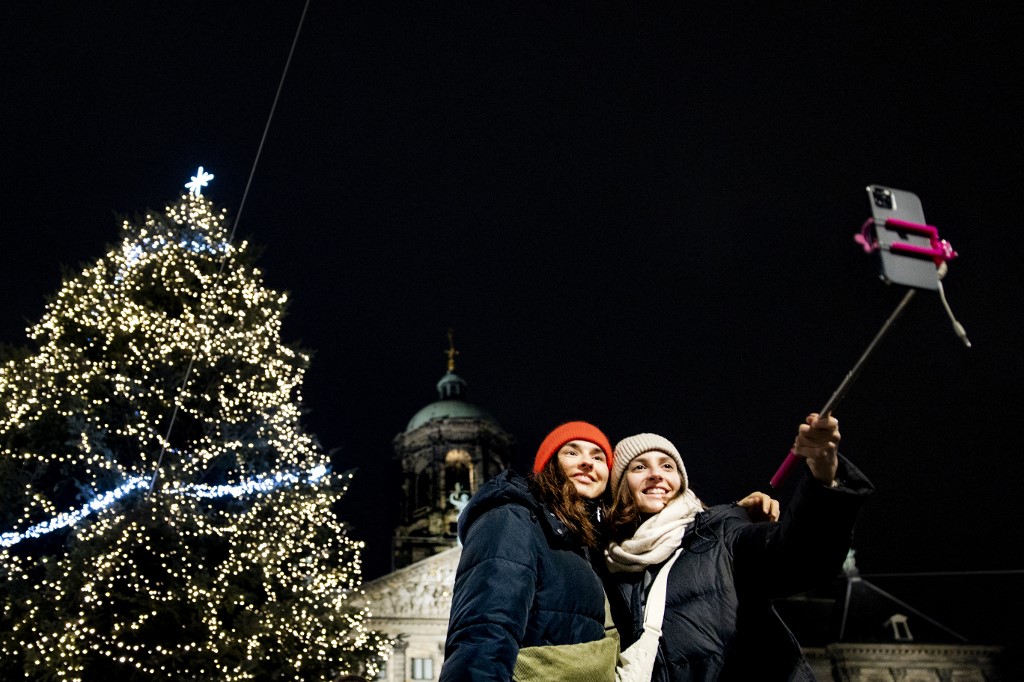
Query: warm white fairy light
235 566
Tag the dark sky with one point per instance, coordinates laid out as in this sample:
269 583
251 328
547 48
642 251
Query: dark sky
642 217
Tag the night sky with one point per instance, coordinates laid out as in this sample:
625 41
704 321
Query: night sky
641 217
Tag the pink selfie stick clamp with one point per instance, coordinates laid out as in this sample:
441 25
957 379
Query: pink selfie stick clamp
940 251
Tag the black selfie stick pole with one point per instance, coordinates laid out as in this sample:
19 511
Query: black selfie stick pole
792 458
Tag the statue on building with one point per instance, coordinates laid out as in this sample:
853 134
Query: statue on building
459 499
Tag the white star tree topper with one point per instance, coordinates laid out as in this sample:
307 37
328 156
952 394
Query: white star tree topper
200 180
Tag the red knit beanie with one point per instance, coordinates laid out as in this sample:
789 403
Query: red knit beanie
565 433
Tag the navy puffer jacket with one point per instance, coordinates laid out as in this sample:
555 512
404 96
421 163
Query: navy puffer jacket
523 580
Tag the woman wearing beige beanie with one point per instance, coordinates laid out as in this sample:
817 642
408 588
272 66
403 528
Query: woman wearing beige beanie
718 622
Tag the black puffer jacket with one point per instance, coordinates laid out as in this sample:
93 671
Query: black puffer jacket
522 580
719 622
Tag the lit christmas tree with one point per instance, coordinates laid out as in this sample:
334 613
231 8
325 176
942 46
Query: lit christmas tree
164 514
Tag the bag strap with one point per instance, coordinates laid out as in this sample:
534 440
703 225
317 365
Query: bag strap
654 612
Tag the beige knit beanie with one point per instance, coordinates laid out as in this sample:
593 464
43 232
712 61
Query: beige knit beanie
630 448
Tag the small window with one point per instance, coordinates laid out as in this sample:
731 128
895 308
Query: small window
459 472
900 628
422 668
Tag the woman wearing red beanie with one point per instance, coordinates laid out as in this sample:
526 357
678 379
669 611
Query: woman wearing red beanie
525 577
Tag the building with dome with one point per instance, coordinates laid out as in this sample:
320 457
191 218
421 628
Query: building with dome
447 450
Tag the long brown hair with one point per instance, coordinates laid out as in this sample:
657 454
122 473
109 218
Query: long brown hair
556 490
623 516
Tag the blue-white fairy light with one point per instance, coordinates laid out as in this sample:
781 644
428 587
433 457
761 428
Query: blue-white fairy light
200 180
70 518
256 484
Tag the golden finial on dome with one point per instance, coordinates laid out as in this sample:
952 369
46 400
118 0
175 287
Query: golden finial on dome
451 352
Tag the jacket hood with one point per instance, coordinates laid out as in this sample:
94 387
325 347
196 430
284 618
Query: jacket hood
507 487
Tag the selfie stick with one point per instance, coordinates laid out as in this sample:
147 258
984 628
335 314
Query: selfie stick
940 252
792 458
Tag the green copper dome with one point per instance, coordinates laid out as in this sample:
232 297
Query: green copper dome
450 405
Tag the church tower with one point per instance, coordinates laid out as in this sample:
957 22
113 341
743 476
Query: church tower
447 451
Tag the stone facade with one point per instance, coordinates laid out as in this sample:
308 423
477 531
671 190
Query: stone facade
411 605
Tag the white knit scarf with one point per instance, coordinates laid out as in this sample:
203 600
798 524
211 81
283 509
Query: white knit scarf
656 538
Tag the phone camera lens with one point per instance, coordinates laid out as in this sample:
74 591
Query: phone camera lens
882 197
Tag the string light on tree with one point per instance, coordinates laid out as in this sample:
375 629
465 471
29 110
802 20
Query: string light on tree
167 349
138 483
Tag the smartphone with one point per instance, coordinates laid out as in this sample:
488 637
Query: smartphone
903 248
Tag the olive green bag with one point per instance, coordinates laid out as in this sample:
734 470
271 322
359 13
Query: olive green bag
588 662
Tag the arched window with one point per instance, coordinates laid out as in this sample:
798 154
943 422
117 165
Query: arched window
458 470
423 490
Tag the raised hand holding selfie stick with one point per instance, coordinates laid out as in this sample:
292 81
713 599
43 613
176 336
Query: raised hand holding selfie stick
908 261
792 458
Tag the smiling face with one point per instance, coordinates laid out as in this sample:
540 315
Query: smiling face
586 465
653 479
